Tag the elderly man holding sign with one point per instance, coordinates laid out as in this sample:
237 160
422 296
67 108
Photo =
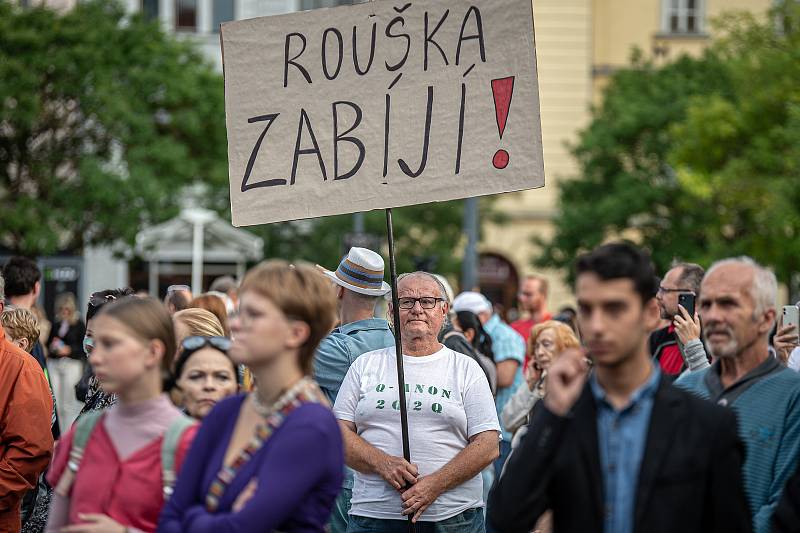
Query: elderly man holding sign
453 427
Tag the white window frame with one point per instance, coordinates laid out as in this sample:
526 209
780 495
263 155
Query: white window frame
683 12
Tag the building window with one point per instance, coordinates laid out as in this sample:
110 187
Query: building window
150 9
223 12
314 4
682 16
186 15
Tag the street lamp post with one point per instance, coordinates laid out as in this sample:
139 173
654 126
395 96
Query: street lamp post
469 266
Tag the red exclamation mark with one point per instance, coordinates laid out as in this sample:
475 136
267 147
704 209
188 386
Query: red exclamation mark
502 90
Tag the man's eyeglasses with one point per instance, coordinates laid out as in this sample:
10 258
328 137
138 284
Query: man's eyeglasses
662 289
177 288
425 303
196 342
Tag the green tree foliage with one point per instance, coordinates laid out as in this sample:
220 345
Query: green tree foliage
737 155
697 159
428 236
103 119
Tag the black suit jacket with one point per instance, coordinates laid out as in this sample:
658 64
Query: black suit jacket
690 479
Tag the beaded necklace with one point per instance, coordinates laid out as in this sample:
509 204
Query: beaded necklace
304 391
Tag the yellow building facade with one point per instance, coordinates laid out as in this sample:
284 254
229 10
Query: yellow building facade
579 44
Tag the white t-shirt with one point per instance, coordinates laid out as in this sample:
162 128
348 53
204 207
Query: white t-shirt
448 401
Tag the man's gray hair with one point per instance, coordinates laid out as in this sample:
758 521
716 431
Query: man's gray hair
764 289
2 288
223 284
691 275
422 273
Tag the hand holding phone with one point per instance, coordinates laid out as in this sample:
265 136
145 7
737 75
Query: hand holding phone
786 338
791 316
687 327
686 300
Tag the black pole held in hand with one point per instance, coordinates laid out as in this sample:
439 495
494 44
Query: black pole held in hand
401 381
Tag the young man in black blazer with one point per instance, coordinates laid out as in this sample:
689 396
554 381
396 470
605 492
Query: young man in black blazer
620 450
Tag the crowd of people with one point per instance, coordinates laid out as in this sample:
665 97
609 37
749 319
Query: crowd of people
272 404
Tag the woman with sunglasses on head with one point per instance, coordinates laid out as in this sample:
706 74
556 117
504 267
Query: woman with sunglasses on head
271 459
114 469
204 374
192 323
196 322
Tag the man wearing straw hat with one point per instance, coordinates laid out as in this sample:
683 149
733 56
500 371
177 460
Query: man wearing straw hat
359 286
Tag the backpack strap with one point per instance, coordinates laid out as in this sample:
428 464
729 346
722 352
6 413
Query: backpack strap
84 427
169 448
83 430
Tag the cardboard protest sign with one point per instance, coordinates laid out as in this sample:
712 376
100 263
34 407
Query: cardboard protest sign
381 104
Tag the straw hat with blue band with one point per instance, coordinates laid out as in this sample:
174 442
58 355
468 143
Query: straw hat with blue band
362 272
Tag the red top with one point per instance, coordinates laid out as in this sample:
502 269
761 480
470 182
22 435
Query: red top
129 491
671 360
524 327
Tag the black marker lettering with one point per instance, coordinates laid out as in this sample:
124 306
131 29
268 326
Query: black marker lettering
429 39
298 152
386 122
337 137
340 52
287 61
269 119
425 141
478 35
371 50
461 126
405 36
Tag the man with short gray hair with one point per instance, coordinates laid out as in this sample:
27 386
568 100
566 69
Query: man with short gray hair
737 310
678 347
228 286
452 425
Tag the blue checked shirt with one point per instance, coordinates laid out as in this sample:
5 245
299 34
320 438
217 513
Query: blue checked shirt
506 344
622 436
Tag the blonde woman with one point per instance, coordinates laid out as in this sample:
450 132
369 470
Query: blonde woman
546 342
65 358
197 322
194 322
